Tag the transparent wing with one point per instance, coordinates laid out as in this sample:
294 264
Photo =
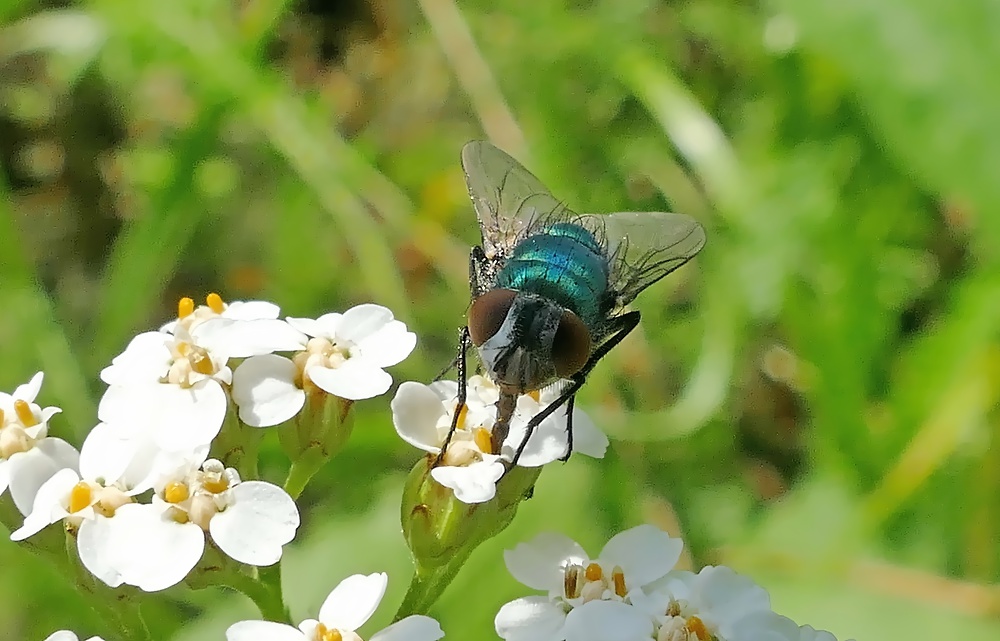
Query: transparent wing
508 199
643 247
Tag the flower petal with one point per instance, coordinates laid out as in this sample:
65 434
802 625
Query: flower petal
152 551
179 419
324 326
413 628
355 380
262 631
361 321
475 483
93 545
353 601
145 360
243 338
47 506
548 441
539 563
588 439
645 553
416 410
388 346
259 520
29 391
530 619
29 470
251 310
607 621
265 391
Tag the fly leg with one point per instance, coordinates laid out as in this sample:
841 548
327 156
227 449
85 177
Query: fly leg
460 403
569 428
622 326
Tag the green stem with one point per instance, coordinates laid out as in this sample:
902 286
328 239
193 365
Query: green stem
303 469
264 591
426 588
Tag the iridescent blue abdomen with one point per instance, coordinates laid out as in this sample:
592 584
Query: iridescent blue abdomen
565 264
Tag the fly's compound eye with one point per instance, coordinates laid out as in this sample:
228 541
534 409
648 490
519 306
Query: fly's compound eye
571 346
487 314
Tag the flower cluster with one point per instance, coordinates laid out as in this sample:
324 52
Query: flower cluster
423 415
149 489
632 592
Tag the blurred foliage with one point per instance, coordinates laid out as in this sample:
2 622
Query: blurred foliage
812 401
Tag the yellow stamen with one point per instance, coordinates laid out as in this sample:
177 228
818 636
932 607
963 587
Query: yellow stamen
594 572
537 395
674 609
483 440
618 578
24 413
215 486
697 627
201 364
176 492
462 414
177 515
183 349
1 418
80 497
214 302
185 307
325 634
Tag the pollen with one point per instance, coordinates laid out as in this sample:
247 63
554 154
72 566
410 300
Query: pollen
697 627
176 492
618 578
24 413
80 497
484 441
214 302
185 307
325 634
594 572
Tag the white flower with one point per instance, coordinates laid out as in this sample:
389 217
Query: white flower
423 414
87 507
239 329
157 544
28 456
66 635
586 598
716 601
346 356
346 609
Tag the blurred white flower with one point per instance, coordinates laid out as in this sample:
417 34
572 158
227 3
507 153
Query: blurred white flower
66 635
156 545
422 416
715 602
344 355
28 456
346 609
586 598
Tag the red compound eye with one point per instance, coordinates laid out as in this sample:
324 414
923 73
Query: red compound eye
571 347
487 314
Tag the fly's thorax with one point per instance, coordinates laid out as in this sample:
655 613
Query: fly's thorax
527 341
565 264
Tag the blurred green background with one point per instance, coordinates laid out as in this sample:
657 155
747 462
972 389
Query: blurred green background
813 401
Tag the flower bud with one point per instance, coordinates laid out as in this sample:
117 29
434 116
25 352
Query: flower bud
442 531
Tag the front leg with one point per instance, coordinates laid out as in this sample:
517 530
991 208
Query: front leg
462 391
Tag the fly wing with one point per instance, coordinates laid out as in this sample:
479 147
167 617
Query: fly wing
508 199
643 247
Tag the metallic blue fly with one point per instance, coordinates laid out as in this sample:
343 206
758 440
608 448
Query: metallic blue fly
549 286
